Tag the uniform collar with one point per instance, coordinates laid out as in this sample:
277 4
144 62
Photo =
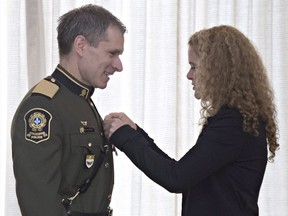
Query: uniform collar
74 85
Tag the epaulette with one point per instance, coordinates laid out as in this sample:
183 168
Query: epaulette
46 87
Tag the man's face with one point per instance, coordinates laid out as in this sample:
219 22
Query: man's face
98 63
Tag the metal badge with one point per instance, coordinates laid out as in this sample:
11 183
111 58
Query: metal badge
89 160
84 123
83 93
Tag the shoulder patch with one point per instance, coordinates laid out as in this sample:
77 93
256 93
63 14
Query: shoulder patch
46 88
37 125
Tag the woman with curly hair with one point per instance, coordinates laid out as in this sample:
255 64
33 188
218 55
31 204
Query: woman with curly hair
222 173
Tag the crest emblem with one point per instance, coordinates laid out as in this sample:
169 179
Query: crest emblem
37 125
89 161
37 121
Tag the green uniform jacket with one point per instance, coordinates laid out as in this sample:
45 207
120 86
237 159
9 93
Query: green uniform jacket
57 136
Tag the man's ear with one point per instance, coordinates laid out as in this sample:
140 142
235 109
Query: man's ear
79 44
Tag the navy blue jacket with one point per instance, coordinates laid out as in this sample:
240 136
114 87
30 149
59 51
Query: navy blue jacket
220 175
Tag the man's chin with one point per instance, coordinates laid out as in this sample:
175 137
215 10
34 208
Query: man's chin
102 86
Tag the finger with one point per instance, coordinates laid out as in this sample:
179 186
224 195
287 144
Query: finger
117 115
107 117
107 123
106 132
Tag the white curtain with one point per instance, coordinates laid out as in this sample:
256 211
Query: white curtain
152 89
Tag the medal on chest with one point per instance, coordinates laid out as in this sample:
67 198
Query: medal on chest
89 160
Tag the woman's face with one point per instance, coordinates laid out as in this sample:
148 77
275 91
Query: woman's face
193 71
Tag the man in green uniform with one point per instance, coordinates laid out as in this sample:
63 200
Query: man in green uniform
63 164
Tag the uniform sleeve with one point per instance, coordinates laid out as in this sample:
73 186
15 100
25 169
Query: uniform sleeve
36 148
217 146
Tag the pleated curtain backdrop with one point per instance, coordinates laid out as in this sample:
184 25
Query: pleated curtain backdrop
152 89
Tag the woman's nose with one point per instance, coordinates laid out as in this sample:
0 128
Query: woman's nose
189 75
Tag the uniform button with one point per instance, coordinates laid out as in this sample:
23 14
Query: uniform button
89 144
91 103
53 80
107 165
81 130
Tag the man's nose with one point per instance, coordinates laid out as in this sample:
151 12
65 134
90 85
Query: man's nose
117 64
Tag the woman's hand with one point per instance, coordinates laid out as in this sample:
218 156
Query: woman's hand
113 121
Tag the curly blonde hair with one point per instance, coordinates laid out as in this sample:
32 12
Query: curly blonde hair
232 74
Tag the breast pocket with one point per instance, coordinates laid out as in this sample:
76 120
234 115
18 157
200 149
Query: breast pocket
85 150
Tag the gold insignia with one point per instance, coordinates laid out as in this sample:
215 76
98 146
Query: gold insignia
37 121
83 93
84 123
89 160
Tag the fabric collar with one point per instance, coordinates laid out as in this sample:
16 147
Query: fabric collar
74 85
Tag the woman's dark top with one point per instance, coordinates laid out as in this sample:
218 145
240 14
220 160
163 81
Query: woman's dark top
220 175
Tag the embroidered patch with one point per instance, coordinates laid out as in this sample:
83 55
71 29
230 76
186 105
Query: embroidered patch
37 125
